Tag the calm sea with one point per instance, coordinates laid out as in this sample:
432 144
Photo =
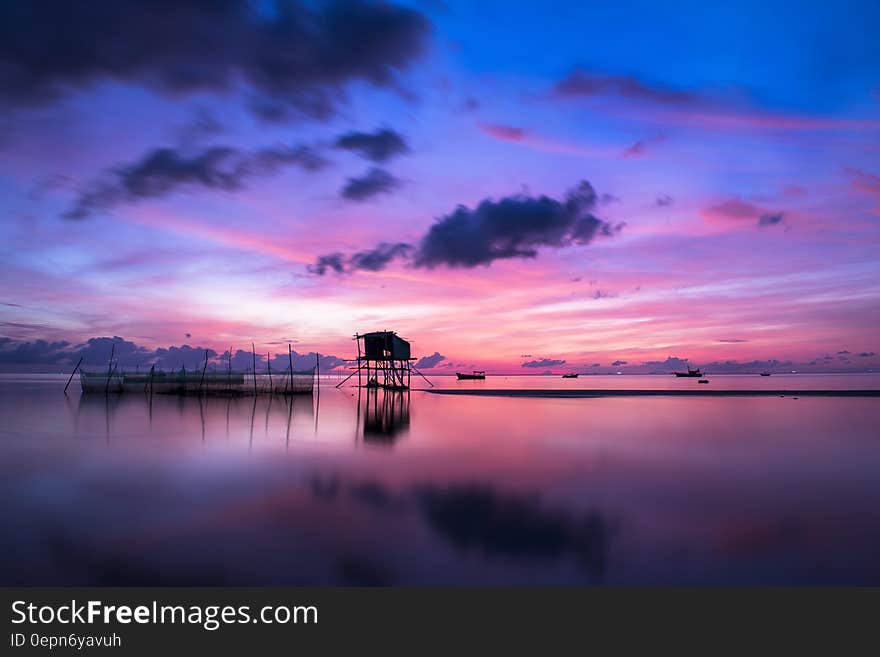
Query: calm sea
389 488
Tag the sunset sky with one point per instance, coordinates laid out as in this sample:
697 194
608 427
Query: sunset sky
508 185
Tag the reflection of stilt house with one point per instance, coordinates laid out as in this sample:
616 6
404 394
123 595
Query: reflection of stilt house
385 359
386 415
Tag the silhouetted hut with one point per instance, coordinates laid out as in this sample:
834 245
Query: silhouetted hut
386 359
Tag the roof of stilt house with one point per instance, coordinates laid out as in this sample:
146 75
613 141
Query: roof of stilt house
384 345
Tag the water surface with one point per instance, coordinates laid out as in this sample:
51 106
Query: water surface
427 489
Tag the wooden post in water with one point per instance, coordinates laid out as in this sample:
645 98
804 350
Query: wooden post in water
358 340
254 351
318 372
72 373
290 360
204 369
229 372
109 368
269 370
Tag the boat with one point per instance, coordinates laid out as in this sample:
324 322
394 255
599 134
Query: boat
477 374
765 373
696 374
573 375
703 381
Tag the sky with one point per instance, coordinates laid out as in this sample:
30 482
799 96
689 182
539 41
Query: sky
517 187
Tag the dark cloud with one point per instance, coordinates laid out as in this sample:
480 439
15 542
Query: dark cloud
378 146
428 362
374 259
97 351
378 258
243 359
544 362
586 83
671 364
290 56
184 356
163 171
127 354
330 262
732 340
375 181
770 219
842 352
750 367
867 354
326 362
596 365
513 227
39 351
618 363
663 200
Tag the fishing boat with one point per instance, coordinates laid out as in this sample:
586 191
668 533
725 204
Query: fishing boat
477 374
694 374
765 373
573 375
703 381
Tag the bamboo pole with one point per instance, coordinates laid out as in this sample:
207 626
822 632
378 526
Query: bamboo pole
290 360
318 371
357 339
72 373
229 372
269 370
423 376
204 369
109 367
112 372
357 371
254 351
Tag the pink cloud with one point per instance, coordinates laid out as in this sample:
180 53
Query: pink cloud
865 182
503 132
640 148
751 120
732 209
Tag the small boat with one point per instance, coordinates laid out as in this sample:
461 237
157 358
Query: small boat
696 374
477 374
703 381
573 375
765 373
